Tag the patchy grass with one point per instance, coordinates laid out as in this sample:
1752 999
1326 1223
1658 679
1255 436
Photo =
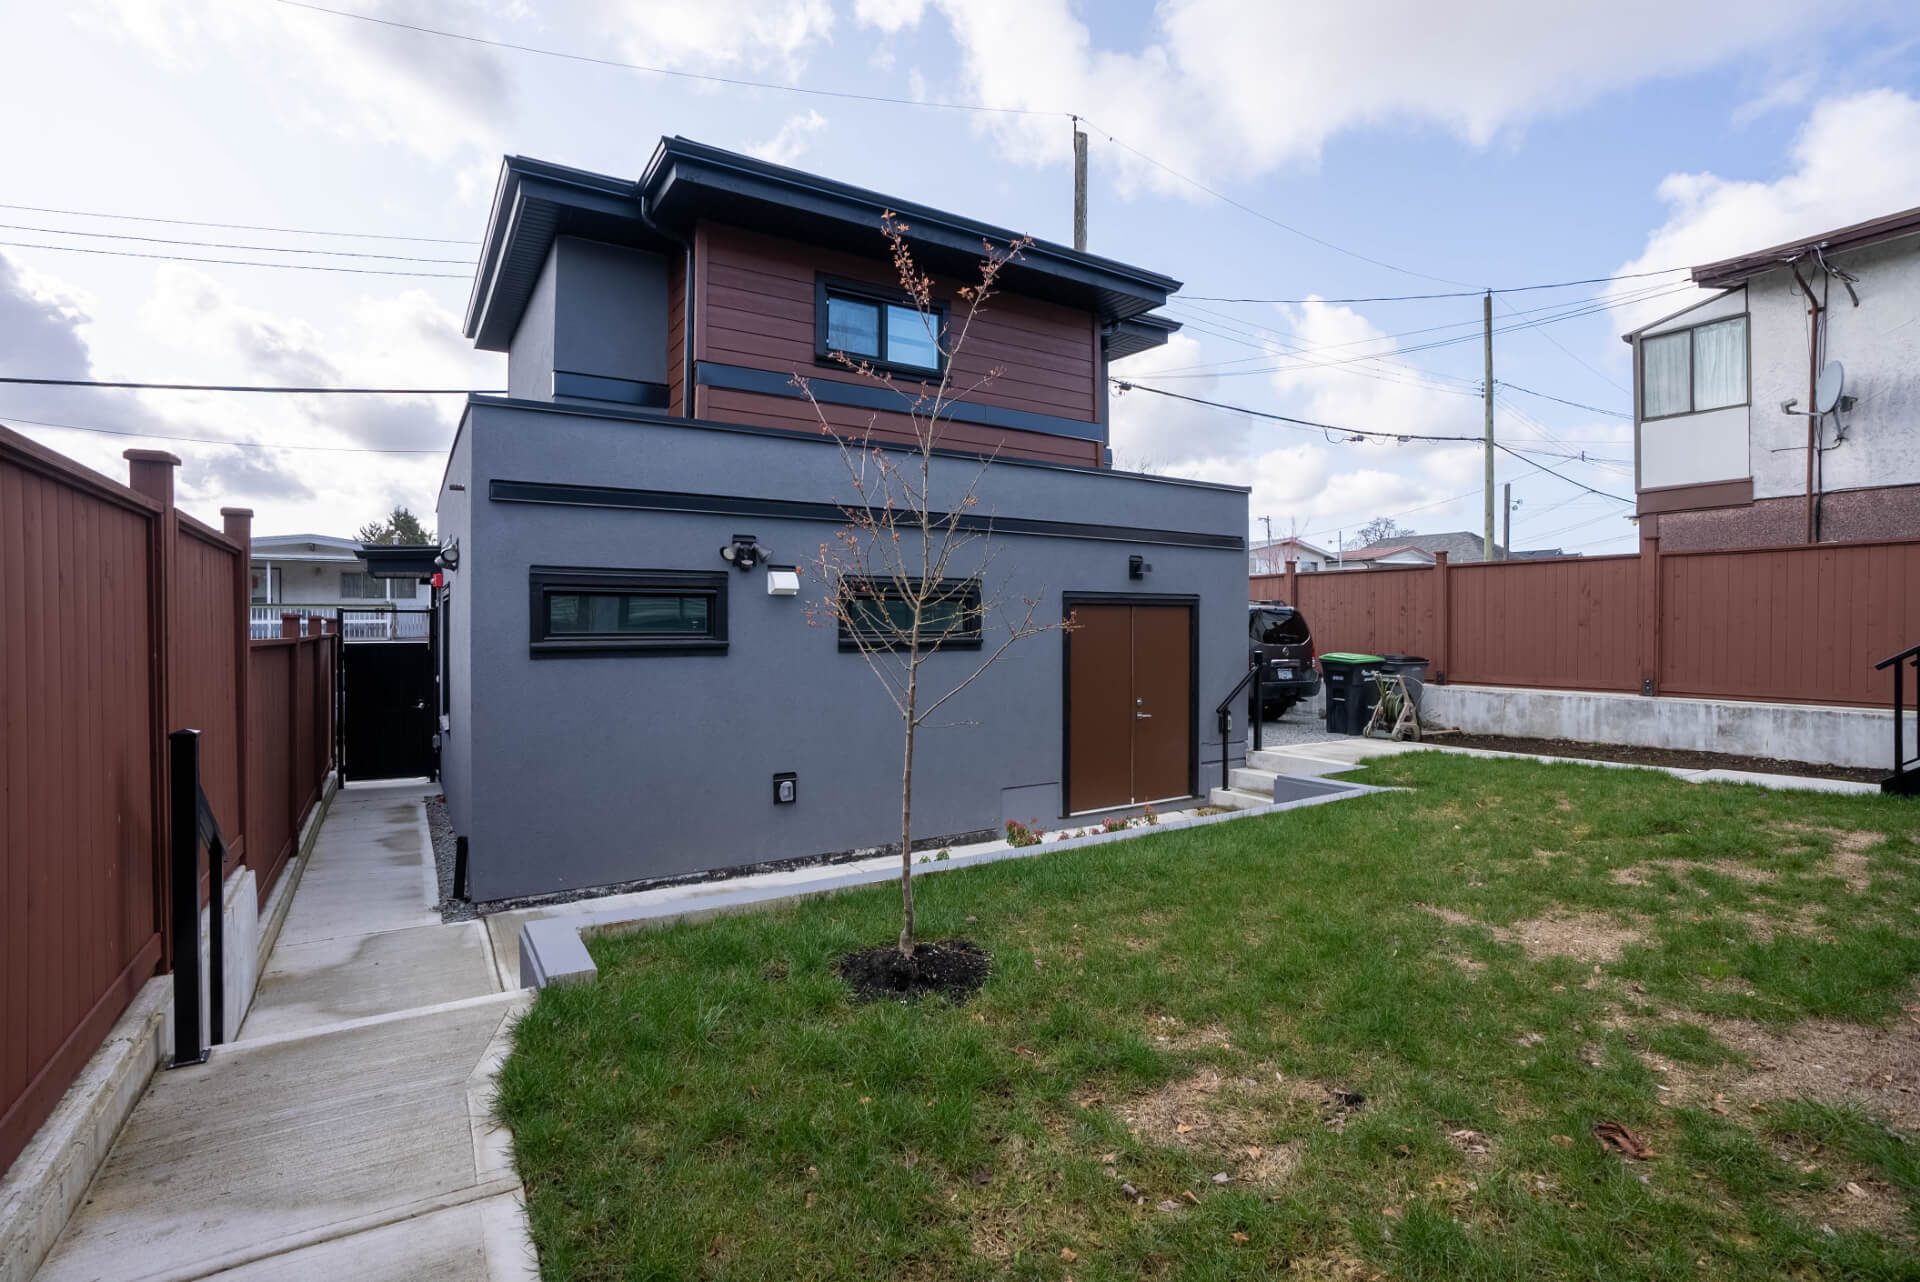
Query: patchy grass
1362 1040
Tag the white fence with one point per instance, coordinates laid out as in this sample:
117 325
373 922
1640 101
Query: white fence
355 625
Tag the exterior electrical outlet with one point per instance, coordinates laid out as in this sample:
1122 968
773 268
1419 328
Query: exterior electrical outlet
786 789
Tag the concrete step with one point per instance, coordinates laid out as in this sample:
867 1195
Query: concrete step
1286 762
1233 799
1252 779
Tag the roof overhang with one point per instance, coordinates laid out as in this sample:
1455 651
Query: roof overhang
400 560
687 181
1731 271
1136 334
535 203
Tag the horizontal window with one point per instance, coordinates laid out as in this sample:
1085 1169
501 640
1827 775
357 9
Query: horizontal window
578 611
878 326
1691 370
878 615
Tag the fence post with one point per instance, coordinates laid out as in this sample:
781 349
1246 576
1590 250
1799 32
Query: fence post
237 524
1650 605
150 473
1442 618
1293 598
183 752
289 624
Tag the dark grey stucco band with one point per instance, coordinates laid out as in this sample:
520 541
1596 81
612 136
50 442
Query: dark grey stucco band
607 496
597 387
741 378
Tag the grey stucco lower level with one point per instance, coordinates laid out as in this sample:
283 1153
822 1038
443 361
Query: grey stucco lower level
585 771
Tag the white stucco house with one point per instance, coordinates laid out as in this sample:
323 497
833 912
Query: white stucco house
1271 557
321 573
1726 453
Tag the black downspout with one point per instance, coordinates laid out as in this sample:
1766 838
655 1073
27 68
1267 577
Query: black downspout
686 305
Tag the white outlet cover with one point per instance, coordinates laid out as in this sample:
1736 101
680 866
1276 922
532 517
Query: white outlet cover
783 582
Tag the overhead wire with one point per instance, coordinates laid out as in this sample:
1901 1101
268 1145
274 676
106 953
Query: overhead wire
253 387
195 222
1459 293
210 440
238 262
222 244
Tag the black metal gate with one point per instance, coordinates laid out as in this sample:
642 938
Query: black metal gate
389 704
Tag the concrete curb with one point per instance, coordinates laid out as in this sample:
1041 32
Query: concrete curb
48 1181
553 950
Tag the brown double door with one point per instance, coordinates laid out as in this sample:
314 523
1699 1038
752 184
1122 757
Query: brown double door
1129 705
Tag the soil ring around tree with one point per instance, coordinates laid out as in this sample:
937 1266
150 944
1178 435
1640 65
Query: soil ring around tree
951 968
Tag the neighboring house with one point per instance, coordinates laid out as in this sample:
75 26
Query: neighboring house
1419 549
621 703
321 574
1722 436
1272 556
1393 555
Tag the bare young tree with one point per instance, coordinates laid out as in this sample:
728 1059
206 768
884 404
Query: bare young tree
907 576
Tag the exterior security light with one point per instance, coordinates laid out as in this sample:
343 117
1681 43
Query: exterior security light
1137 567
743 553
782 581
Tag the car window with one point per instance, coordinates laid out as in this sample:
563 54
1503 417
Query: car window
1271 627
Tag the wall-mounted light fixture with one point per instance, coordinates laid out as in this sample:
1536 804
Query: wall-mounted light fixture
783 580
1137 567
448 558
743 552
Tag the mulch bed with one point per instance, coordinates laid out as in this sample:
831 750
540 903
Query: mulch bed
1677 757
952 968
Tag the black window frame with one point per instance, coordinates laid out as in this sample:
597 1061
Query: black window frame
1640 361
968 589
881 296
544 581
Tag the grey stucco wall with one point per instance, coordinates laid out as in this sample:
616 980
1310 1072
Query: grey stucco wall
530 357
591 771
453 520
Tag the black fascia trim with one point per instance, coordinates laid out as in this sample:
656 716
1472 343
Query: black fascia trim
723 176
610 496
598 387
1136 334
868 396
481 400
400 560
542 579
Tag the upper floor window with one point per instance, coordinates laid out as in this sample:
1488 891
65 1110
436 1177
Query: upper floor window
1689 370
877 325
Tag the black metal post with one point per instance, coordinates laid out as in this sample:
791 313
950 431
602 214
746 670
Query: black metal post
216 938
183 757
1900 716
340 698
460 868
1259 715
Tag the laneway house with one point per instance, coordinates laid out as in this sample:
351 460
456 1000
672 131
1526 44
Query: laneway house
621 703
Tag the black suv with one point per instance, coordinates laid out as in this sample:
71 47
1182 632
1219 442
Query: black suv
1281 642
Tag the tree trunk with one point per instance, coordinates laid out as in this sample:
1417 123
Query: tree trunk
906 823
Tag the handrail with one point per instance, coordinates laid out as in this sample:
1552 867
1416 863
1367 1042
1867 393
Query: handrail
1223 714
194 826
1907 653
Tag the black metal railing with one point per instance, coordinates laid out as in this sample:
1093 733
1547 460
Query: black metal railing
1224 715
193 826
1905 778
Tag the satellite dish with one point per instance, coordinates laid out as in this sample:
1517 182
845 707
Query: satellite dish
1826 393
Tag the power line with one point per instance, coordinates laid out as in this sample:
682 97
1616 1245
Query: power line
236 262
257 387
221 244
212 440
194 222
1462 293
1563 476
1547 396
736 81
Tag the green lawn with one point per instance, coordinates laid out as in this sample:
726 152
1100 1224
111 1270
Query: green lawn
1496 960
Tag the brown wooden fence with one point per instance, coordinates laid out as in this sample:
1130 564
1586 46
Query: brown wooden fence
1784 624
120 619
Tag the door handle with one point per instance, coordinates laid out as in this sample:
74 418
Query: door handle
1143 716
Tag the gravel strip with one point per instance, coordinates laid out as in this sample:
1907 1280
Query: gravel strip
442 829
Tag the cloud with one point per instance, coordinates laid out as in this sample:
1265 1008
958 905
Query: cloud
40 328
1857 157
1785 92
889 16
795 135
1219 87
743 34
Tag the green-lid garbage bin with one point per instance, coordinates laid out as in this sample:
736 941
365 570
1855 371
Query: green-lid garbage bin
1350 690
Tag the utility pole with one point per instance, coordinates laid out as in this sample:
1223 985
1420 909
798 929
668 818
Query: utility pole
1506 531
1079 186
1486 316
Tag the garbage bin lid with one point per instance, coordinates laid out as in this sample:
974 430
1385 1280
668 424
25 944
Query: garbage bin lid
1351 658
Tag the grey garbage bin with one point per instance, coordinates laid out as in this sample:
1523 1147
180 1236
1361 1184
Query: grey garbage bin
1413 667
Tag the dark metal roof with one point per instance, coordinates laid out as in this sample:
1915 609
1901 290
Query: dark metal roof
1731 271
399 560
686 181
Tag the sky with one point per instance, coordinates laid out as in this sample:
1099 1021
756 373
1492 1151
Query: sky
1253 150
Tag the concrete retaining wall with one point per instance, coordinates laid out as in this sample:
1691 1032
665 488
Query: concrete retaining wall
1789 731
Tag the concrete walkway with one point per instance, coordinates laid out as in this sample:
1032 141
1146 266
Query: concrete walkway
347 1133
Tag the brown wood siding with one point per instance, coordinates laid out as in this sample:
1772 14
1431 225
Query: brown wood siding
1778 624
755 410
677 335
83 623
754 306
